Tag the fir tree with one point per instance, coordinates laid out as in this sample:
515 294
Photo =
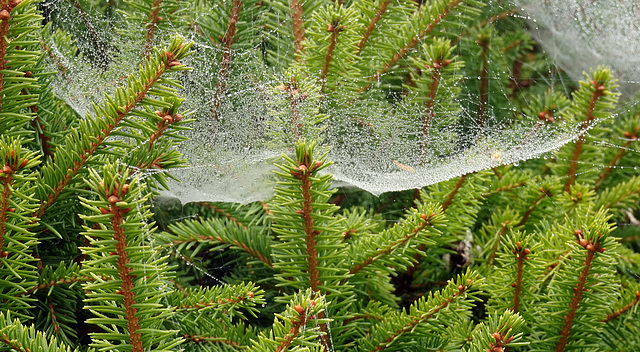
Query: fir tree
536 257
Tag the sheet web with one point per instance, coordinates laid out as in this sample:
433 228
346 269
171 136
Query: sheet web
241 129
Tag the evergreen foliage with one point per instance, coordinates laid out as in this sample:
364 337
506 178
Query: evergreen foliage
537 257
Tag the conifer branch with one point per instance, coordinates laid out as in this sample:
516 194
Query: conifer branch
577 151
503 230
417 320
503 189
521 255
52 314
117 221
223 73
429 112
451 196
533 206
152 22
499 16
413 42
168 60
335 29
483 96
297 13
64 70
218 304
59 282
307 210
591 249
448 201
219 239
13 344
294 101
162 126
621 152
624 309
298 324
7 181
98 45
216 340
39 126
5 16
401 242
225 213
373 23
13 164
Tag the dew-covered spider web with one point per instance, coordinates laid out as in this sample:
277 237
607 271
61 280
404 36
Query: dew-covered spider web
249 112
582 34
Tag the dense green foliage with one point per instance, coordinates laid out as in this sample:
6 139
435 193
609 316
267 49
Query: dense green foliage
540 256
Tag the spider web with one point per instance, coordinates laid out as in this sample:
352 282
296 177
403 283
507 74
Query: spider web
366 140
582 34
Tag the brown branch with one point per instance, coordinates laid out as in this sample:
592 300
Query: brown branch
5 16
504 189
59 282
13 163
297 13
575 301
217 238
483 96
223 73
521 255
621 152
494 250
294 105
335 29
222 212
214 339
626 308
398 243
456 188
372 25
499 17
454 191
7 181
630 239
13 343
429 112
133 324
412 43
98 44
307 210
162 126
499 342
415 321
99 139
294 331
56 60
152 23
573 166
534 206
39 126
218 303
54 320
